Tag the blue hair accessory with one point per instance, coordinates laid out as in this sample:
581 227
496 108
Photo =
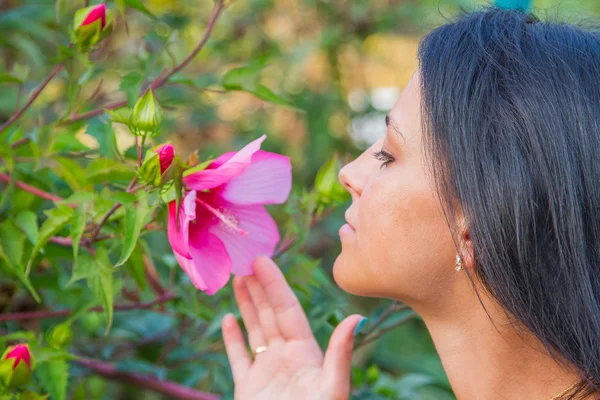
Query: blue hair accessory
521 5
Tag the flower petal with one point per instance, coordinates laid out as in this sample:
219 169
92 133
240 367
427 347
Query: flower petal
212 177
262 237
268 180
179 235
211 264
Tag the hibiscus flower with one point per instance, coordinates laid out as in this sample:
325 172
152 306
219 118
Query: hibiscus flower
223 224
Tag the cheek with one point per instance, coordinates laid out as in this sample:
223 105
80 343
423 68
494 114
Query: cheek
402 234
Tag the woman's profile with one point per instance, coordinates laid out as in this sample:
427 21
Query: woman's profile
479 208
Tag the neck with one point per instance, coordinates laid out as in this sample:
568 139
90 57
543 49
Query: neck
489 359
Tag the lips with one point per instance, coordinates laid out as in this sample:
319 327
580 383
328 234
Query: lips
349 218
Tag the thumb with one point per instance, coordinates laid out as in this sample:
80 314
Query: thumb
336 365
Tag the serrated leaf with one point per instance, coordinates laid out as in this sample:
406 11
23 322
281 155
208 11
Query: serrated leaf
124 198
27 222
105 135
58 218
103 170
77 227
134 221
53 377
130 84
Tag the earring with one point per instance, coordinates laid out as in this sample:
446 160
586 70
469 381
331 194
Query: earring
458 264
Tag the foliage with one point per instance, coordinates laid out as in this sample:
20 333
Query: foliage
87 277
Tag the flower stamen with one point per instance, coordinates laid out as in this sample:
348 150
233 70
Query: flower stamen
228 221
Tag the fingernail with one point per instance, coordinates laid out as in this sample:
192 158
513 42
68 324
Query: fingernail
360 326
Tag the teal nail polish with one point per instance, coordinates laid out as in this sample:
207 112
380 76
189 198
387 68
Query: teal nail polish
360 326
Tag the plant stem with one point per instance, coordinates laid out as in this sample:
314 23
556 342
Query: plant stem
32 98
170 389
31 189
162 78
376 335
28 315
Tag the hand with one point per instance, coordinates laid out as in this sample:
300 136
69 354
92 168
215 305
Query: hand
293 366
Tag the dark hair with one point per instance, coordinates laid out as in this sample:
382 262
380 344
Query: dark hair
511 127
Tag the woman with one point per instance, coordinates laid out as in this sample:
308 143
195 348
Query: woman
480 209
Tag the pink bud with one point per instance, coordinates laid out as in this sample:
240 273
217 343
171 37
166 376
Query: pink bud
166 153
20 352
98 12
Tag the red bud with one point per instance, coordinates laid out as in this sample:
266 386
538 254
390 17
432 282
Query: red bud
96 13
165 155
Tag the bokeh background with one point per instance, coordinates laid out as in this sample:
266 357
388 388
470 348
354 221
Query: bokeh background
334 68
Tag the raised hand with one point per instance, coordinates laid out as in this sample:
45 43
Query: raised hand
292 366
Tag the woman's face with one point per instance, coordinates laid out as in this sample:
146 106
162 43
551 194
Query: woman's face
397 243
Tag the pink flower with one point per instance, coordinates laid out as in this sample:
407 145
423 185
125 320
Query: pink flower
165 155
96 13
223 224
20 353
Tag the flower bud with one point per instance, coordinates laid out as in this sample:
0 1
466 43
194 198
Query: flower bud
329 190
60 335
91 24
166 154
147 116
16 366
156 162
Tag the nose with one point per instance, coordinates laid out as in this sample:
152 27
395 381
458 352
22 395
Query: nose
351 178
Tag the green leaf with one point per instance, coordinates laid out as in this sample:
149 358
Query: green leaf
53 377
105 135
8 78
138 5
58 218
97 270
27 222
200 167
134 221
103 170
120 115
135 266
70 172
101 284
12 241
77 227
124 198
130 84
247 79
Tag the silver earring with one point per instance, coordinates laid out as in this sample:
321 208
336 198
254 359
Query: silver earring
458 263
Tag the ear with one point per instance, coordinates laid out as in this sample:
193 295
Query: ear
466 249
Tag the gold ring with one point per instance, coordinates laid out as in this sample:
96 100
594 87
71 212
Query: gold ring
260 349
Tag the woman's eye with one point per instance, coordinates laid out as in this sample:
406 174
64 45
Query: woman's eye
383 156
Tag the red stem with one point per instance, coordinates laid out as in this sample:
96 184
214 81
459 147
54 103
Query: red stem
34 96
31 189
170 389
28 315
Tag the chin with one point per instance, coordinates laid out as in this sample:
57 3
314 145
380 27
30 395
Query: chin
348 277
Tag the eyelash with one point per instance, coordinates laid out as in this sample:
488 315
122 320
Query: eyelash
384 156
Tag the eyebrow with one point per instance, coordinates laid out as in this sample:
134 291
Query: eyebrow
389 121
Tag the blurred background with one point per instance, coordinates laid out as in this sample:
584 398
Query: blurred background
329 71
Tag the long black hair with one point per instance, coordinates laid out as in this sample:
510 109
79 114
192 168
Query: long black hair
511 127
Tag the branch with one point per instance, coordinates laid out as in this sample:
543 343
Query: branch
31 189
170 389
385 330
34 96
27 315
162 78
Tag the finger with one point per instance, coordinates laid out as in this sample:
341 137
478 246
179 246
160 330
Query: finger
249 313
290 316
239 358
338 357
266 315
